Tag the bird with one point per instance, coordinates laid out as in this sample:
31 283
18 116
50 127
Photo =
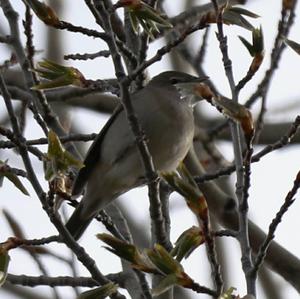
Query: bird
164 109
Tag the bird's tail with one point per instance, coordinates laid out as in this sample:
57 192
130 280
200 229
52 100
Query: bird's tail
77 224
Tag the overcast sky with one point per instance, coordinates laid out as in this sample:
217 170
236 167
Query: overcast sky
272 177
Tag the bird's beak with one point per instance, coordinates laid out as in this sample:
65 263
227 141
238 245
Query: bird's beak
188 92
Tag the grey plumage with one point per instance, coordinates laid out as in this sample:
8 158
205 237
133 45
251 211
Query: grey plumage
113 165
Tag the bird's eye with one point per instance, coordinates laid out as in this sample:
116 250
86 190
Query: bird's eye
174 80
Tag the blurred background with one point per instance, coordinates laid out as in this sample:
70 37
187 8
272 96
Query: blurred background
272 177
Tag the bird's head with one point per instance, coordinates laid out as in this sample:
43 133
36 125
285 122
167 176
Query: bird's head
183 82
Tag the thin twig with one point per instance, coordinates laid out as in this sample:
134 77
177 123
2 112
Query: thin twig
165 193
167 48
39 101
59 281
151 175
40 141
236 138
14 242
284 26
121 45
68 281
79 251
225 233
289 200
202 51
14 142
136 283
87 56
212 255
30 50
202 290
5 39
283 141
16 171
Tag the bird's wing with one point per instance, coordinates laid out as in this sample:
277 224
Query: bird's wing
93 155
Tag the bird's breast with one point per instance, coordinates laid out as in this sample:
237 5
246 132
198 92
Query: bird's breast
170 134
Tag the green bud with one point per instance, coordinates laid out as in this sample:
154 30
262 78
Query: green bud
187 242
257 46
293 45
58 160
235 16
163 260
120 248
44 12
5 172
144 15
100 293
228 294
58 76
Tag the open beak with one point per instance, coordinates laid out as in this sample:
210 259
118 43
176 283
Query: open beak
187 90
